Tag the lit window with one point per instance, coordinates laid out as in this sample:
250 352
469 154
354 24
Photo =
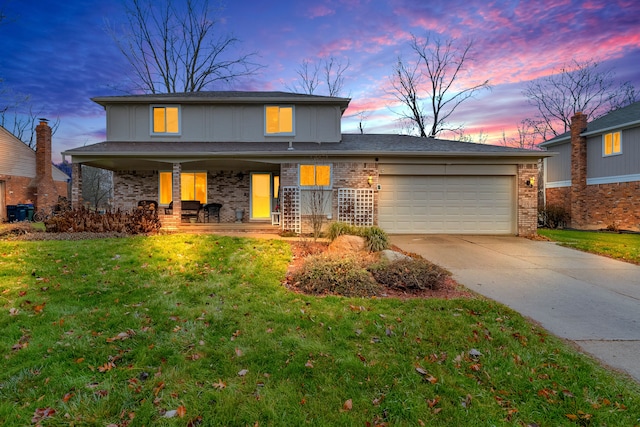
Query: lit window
315 175
193 186
612 144
166 120
278 120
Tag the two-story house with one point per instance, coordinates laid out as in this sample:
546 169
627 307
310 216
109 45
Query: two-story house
256 153
595 176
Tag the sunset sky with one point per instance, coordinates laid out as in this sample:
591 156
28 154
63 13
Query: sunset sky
60 53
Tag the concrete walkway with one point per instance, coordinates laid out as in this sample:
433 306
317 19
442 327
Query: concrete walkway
591 300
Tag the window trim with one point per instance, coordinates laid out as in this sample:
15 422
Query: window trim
314 186
604 144
152 119
293 120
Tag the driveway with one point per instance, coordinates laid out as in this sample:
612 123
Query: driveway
591 300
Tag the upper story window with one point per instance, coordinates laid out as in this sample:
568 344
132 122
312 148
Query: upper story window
165 120
278 120
315 176
612 143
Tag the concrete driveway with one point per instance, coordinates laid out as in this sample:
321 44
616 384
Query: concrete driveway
588 299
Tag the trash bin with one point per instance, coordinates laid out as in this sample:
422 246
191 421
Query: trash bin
30 210
12 211
21 213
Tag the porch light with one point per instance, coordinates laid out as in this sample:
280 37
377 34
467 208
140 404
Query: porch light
531 182
370 180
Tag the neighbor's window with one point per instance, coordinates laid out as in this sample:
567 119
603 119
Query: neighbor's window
165 120
315 175
612 144
193 186
278 120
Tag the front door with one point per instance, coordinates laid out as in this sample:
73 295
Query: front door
260 195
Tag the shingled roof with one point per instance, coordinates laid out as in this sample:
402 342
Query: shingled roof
618 119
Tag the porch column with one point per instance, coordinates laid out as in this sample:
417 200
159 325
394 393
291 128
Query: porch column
175 193
76 185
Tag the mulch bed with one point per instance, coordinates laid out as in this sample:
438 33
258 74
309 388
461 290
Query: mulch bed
301 249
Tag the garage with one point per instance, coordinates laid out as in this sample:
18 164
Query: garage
447 204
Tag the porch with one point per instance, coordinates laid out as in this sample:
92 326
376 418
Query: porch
258 227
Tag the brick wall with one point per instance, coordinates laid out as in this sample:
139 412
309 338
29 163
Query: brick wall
613 206
527 199
559 197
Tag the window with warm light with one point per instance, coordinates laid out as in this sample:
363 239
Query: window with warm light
611 144
165 120
278 120
315 176
193 186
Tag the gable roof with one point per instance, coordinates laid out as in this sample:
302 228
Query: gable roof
621 118
224 97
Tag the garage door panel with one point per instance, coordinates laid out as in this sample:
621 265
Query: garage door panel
447 204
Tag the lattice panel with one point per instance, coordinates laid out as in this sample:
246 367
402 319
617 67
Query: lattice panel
355 206
291 209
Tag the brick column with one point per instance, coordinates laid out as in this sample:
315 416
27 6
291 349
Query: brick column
76 185
46 192
175 193
578 171
527 199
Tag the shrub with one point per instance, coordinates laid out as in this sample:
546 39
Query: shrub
323 274
337 229
410 274
376 239
553 216
84 220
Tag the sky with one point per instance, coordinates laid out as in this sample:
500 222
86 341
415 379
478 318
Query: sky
61 54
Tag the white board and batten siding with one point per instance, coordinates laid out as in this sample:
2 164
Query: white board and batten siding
450 202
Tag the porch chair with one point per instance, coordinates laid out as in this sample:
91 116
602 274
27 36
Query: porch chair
210 210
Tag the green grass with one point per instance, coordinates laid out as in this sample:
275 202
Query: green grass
624 247
118 331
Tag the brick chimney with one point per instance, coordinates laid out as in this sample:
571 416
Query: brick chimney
578 170
46 194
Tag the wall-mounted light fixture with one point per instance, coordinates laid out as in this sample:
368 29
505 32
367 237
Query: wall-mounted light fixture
531 182
370 180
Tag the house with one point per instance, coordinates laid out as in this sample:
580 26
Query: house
281 157
27 176
596 175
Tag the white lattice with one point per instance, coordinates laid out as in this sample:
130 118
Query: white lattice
291 209
355 206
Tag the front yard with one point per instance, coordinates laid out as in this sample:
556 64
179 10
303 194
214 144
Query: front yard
191 330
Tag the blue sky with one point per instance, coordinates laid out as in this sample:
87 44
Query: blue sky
60 53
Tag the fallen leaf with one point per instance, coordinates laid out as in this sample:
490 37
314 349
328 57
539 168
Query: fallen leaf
67 396
42 413
238 352
347 405
107 367
170 414
13 311
309 364
219 385
182 411
243 372
158 388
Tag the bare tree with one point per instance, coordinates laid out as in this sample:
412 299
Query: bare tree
578 86
174 47
327 73
18 116
529 135
428 86
96 186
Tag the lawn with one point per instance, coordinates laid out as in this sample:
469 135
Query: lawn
187 330
625 247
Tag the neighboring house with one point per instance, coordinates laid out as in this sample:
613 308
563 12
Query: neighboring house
596 174
256 153
27 176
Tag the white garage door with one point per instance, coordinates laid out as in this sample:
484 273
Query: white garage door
447 204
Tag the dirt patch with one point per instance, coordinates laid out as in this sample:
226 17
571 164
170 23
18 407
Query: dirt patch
302 249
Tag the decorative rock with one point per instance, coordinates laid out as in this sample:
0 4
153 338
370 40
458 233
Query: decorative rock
391 256
346 244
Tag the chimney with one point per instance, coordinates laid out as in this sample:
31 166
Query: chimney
46 194
578 170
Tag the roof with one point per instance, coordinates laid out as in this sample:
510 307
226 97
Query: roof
621 118
224 97
352 144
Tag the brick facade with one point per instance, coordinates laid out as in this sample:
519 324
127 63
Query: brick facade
527 199
598 206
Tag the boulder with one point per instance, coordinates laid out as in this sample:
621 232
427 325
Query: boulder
346 244
391 256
